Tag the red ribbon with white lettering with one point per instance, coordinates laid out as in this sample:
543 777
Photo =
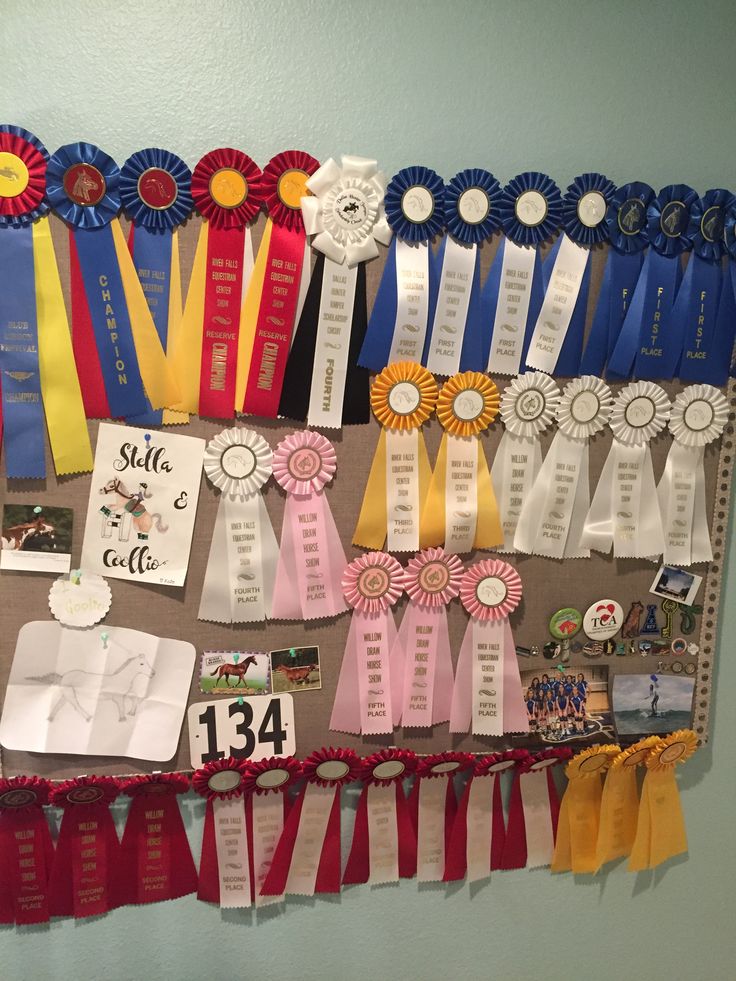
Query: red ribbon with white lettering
534 807
224 867
26 850
433 806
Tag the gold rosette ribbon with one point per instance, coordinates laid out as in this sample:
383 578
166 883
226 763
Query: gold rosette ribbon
577 827
660 829
620 802
461 512
403 397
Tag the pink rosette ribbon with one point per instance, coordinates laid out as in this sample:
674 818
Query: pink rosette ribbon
311 558
433 806
421 662
487 697
364 700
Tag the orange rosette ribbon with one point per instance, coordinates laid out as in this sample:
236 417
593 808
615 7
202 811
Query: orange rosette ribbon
461 512
620 802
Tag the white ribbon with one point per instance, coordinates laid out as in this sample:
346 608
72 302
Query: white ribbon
268 823
461 493
231 844
681 494
310 837
330 368
402 490
512 308
515 468
488 652
451 313
558 306
431 829
479 828
540 843
383 834
412 301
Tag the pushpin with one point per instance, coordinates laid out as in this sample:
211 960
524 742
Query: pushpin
292 652
240 699
147 437
38 509
236 658
75 575
104 637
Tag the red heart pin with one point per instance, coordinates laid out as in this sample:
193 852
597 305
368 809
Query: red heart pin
604 617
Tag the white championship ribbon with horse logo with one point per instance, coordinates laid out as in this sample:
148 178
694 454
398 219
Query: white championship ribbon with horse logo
241 569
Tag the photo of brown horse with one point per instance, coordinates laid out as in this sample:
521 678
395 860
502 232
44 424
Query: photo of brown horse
238 671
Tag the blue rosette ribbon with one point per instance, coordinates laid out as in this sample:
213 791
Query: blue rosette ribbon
650 341
155 191
626 220
472 215
405 301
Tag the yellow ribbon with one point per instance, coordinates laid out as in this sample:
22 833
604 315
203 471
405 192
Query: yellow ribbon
62 396
186 347
620 803
249 317
170 416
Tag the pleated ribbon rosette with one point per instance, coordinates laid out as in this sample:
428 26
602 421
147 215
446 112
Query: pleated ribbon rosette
460 511
660 828
433 806
307 857
311 559
344 214
26 850
553 512
487 698
620 802
478 837
366 689
534 809
403 397
528 406
624 514
241 567
699 416
384 846
421 660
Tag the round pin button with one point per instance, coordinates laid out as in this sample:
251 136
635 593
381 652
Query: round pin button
678 646
565 623
603 619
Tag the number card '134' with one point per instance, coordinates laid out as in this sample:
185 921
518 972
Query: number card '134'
245 728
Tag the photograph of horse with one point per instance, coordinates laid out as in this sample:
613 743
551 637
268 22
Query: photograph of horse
238 671
17 537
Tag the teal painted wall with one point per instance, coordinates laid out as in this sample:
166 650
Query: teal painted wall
638 91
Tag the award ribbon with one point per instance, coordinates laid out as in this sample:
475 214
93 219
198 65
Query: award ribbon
699 416
344 214
85 873
620 803
118 352
708 322
155 858
479 833
486 698
307 856
155 193
224 867
650 340
406 297
366 690
626 219
26 851
227 190
660 828
37 372
241 568
312 559
531 212
727 306
579 818
433 807
557 340
528 407
624 512
421 661
460 510
553 513
384 846
402 399
534 809
472 215
278 286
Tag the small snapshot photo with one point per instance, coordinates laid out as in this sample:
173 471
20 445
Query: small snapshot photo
569 705
295 669
36 538
239 672
652 704
676 584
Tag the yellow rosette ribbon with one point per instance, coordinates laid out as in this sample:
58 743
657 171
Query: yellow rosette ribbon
403 397
461 512
577 827
660 829
620 802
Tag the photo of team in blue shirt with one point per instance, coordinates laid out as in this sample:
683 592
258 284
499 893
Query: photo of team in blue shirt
563 707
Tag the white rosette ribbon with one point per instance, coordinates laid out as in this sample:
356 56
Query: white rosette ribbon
624 513
241 568
553 513
528 407
699 416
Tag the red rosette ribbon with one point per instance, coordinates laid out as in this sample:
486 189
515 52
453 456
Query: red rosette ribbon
478 834
284 185
24 170
307 856
227 188
433 808
534 808
26 850
84 878
384 846
156 860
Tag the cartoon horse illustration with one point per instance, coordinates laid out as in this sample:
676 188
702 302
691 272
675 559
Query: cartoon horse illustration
238 670
133 505
16 536
126 687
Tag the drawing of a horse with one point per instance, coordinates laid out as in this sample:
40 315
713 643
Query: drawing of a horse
15 536
133 504
238 670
